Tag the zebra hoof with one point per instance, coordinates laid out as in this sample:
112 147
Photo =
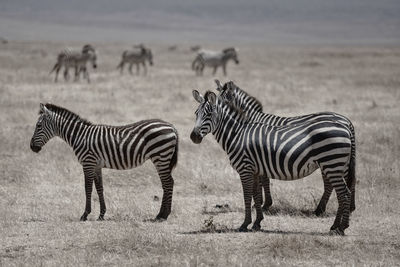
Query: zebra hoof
256 227
101 218
334 226
336 231
266 207
243 229
161 217
83 218
319 211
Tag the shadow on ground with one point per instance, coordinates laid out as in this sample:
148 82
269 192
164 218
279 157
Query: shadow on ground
294 212
272 211
230 230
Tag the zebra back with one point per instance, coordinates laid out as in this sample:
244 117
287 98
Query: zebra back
253 107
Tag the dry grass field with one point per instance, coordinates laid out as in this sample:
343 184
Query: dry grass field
42 195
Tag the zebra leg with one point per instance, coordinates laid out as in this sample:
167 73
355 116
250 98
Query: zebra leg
214 70
257 196
267 193
198 70
353 197
66 74
247 184
90 175
343 213
342 217
144 68
121 66
57 71
167 183
76 74
224 69
346 212
137 69
86 74
130 68
98 182
325 197
201 69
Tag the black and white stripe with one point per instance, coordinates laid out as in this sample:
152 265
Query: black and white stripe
137 57
115 147
69 58
285 152
253 109
214 59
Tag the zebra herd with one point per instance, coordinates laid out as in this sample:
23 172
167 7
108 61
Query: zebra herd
262 146
78 60
259 146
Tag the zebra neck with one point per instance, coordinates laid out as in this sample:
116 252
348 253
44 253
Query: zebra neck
226 57
72 132
246 101
227 129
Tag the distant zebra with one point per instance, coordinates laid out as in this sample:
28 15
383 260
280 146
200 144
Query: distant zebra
214 59
195 48
77 60
285 152
136 57
253 109
115 147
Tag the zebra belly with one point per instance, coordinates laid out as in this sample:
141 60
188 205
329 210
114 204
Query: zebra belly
120 165
212 63
304 171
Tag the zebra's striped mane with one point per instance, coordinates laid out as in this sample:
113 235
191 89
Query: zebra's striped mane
229 49
246 95
235 112
66 113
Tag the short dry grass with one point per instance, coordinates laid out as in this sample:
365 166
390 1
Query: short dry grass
42 195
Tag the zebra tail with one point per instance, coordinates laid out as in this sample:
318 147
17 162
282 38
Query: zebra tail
122 59
195 61
54 68
352 166
174 159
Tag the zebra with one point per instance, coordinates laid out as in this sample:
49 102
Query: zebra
214 59
285 152
115 147
253 109
195 48
77 60
137 58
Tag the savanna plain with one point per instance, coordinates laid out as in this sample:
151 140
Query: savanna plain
42 195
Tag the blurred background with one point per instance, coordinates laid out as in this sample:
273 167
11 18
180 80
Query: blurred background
215 21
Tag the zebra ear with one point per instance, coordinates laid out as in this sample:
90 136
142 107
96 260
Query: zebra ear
230 85
211 98
219 85
199 98
43 109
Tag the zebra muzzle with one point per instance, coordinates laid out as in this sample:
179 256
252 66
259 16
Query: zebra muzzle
196 137
34 148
